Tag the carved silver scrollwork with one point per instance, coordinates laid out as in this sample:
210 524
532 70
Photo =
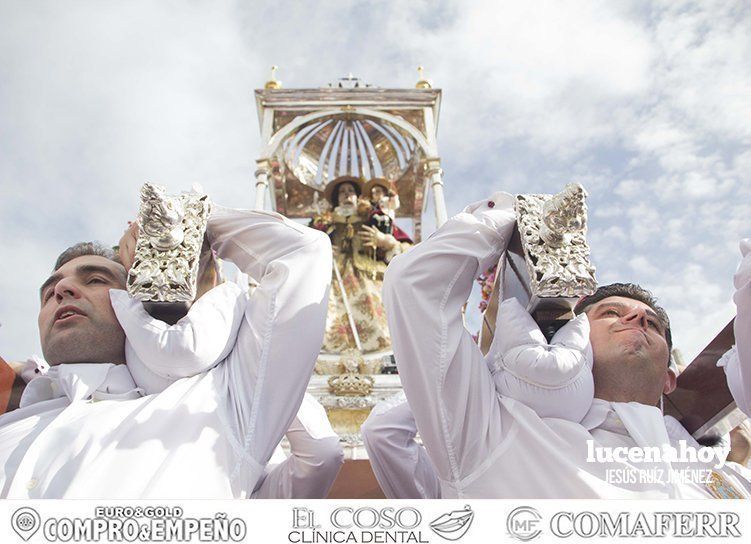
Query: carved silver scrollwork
171 231
553 235
564 214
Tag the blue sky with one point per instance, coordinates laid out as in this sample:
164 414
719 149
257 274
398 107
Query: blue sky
648 104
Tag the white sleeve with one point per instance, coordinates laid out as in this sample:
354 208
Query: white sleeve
277 458
555 379
197 342
401 465
282 328
449 386
737 361
314 461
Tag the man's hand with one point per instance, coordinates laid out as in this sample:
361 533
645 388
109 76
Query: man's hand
372 237
127 246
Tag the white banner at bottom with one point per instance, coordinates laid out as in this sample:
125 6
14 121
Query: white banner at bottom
373 522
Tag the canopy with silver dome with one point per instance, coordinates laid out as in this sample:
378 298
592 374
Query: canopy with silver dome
349 128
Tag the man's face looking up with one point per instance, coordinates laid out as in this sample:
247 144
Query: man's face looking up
630 351
76 321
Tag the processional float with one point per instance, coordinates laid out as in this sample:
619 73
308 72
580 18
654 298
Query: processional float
312 141
310 138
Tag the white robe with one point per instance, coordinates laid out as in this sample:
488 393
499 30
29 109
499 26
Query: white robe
486 445
208 436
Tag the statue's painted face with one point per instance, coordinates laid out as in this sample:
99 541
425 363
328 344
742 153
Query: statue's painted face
346 194
76 321
377 193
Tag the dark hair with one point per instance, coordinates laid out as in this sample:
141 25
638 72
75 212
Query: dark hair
335 192
86 248
628 290
82 249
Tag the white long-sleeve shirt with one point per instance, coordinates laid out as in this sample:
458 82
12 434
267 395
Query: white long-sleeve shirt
483 444
400 464
208 436
555 380
316 455
158 354
737 361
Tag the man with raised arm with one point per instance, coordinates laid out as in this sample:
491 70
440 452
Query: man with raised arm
485 443
86 430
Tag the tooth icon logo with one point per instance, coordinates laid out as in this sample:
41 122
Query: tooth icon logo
454 525
25 522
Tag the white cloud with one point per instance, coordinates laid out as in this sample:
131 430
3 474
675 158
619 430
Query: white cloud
647 104
630 189
643 266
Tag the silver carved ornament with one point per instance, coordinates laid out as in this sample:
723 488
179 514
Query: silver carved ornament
546 265
553 232
171 234
352 382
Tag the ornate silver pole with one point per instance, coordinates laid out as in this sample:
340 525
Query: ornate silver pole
262 182
435 175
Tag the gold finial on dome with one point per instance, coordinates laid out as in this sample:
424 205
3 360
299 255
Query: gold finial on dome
422 83
273 83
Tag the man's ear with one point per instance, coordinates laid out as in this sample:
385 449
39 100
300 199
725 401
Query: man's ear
671 380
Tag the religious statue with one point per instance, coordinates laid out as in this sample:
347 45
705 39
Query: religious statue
360 223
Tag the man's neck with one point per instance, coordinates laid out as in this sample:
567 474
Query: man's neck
621 395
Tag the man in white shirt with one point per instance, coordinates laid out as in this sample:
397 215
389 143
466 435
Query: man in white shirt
87 431
483 444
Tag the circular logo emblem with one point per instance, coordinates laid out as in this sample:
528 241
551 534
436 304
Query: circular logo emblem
523 523
25 522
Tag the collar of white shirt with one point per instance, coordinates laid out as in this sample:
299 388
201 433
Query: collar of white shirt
84 381
645 424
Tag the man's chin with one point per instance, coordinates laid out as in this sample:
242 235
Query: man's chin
72 348
634 343
58 355
85 344
636 358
